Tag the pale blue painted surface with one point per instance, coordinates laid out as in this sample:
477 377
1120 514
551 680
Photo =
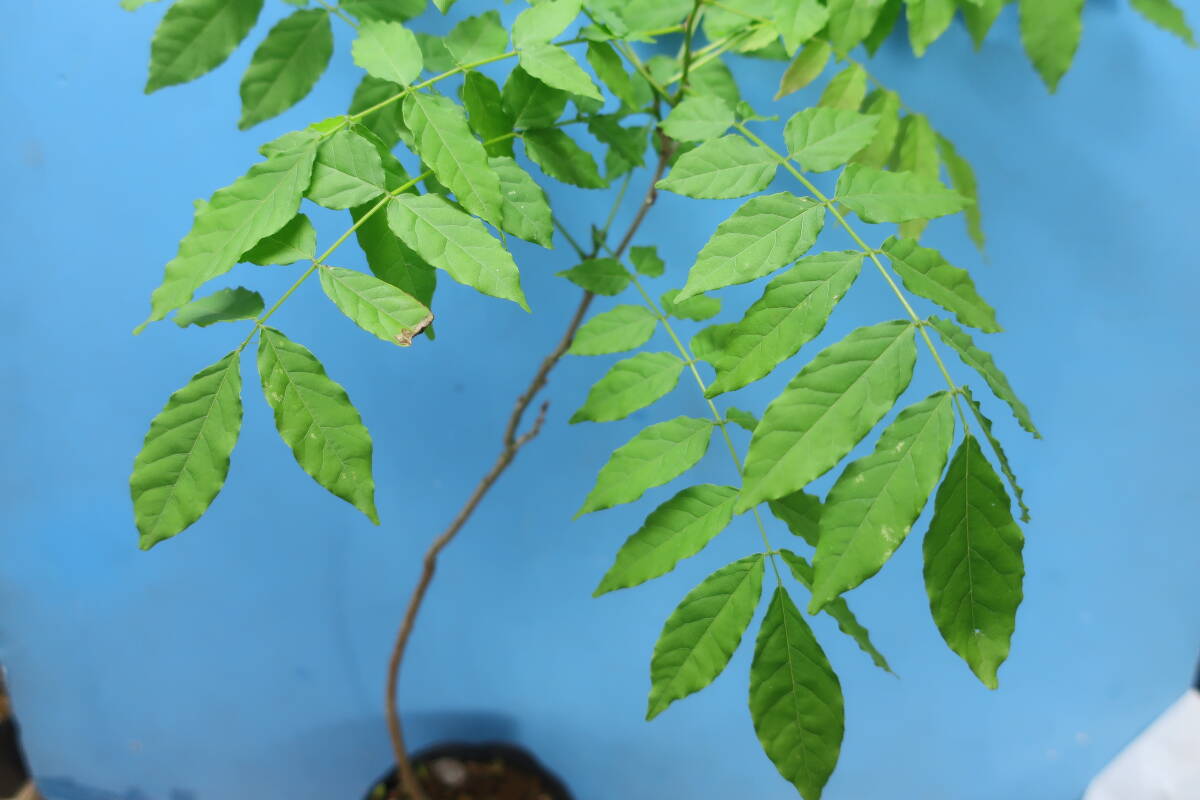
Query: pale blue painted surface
245 658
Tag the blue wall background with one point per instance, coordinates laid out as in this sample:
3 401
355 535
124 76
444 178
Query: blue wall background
245 658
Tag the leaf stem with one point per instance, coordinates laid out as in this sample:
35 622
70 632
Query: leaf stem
339 13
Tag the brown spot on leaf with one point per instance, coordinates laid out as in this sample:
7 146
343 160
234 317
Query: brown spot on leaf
404 337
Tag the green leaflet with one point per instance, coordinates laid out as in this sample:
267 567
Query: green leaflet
185 458
826 410
889 15
286 65
877 499
657 455
715 78
743 419
608 68
1050 31
384 123
697 308
443 140
295 241
981 16
225 305
801 512
722 168
847 623
436 57
614 331
698 118
927 274
795 699
386 10
598 275
763 235
1005 466
799 20
523 206
477 38
443 5
237 218
629 386
560 158
962 178
389 51
348 172
927 20
544 21
485 114
626 146
847 89
885 106
793 309
1168 16
708 343
453 241
134 5
917 153
822 139
392 260
316 419
677 529
531 103
195 37
623 16
555 67
646 261
378 307
804 70
703 632
850 21
982 362
973 566
878 196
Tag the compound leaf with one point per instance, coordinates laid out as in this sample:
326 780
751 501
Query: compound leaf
599 276
523 207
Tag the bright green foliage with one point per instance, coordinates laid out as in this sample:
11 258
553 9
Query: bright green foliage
450 240
822 139
917 153
839 610
791 312
973 566
677 529
885 107
316 419
926 273
389 51
850 21
443 140
878 196
385 122
1005 466
646 261
348 172
385 10
846 90
544 21
927 20
477 38
655 456
531 103
981 16
236 219
225 305
983 363
378 307
616 331
608 68
721 168
562 159
763 235
962 178
795 699
696 308
801 513
826 410
1168 16
804 70
877 499
486 114
286 65
799 20
390 259
554 66
196 36
185 458
524 209
295 241
1050 31
703 632
743 419
599 276
629 386
698 118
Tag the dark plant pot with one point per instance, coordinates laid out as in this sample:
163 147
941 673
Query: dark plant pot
498 771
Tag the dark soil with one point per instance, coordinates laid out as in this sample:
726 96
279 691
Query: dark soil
477 772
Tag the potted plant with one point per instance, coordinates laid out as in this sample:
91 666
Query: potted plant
440 157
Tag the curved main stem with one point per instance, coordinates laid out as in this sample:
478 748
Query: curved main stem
511 445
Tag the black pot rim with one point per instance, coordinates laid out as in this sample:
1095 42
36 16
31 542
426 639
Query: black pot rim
507 752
